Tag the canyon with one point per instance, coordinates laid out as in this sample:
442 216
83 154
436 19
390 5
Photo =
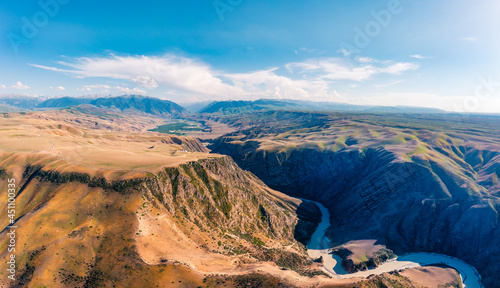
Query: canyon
427 188
319 246
114 203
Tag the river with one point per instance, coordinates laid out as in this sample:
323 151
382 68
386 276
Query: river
319 246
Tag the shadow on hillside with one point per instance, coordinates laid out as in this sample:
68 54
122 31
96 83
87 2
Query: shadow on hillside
309 217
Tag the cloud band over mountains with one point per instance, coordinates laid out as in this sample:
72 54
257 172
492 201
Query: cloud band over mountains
317 77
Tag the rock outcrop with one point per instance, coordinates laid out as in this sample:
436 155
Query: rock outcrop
430 193
216 194
91 224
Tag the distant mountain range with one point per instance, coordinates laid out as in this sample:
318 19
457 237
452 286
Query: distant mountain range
21 102
126 103
232 107
155 106
197 106
147 105
64 102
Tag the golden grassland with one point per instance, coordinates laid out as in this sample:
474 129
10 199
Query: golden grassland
73 235
124 146
436 141
406 134
73 231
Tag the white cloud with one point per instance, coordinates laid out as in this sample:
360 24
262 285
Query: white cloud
3 87
338 69
268 84
146 81
451 103
365 59
20 86
131 91
57 88
310 51
345 52
398 68
94 87
403 99
387 84
418 56
314 78
172 71
469 39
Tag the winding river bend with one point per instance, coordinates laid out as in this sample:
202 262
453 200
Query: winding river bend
319 246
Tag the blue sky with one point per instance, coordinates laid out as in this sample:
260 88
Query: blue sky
442 54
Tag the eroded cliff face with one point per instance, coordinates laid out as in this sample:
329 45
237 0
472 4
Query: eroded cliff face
215 194
191 145
83 229
444 200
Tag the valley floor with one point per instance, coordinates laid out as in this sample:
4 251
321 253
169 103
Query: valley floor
319 247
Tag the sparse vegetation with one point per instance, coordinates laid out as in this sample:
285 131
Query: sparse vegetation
285 259
221 209
26 273
253 280
178 128
121 186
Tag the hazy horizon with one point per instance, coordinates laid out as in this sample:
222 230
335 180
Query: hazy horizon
379 53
